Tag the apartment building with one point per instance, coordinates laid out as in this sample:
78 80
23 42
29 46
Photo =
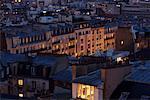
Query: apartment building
141 38
83 38
95 81
26 76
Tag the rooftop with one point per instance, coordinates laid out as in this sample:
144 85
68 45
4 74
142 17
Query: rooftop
11 58
134 91
64 75
140 75
92 78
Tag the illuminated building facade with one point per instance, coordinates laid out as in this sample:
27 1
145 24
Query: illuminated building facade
78 39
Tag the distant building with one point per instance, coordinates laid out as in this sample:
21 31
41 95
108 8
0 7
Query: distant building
141 37
124 39
25 76
62 38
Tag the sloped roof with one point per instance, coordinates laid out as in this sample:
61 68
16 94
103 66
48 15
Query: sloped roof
11 58
44 60
64 75
140 75
135 90
92 78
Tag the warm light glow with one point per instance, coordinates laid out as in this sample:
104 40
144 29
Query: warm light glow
86 92
43 46
138 45
17 0
122 42
57 46
119 59
20 95
20 82
44 12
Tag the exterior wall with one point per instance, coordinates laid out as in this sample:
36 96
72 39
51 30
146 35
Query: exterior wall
112 77
82 41
74 90
124 34
109 38
27 88
4 87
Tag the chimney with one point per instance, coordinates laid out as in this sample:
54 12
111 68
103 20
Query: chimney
112 76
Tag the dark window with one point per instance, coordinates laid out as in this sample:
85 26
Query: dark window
43 85
86 32
93 32
79 33
81 40
33 84
81 47
88 45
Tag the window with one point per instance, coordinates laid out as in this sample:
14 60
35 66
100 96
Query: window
138 45
86 32
32 70
20 82
44 85
81 47
33 84
119 59
7 70
93 32
2 74
88 45
97 31
79 33
17 0
43 46
81 40
20 94
122 42
85 92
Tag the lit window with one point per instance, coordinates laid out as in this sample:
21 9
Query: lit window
20 82
43 46
119 59
20 95
138 45
17 0
122 42
69 44
85 92
57 46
